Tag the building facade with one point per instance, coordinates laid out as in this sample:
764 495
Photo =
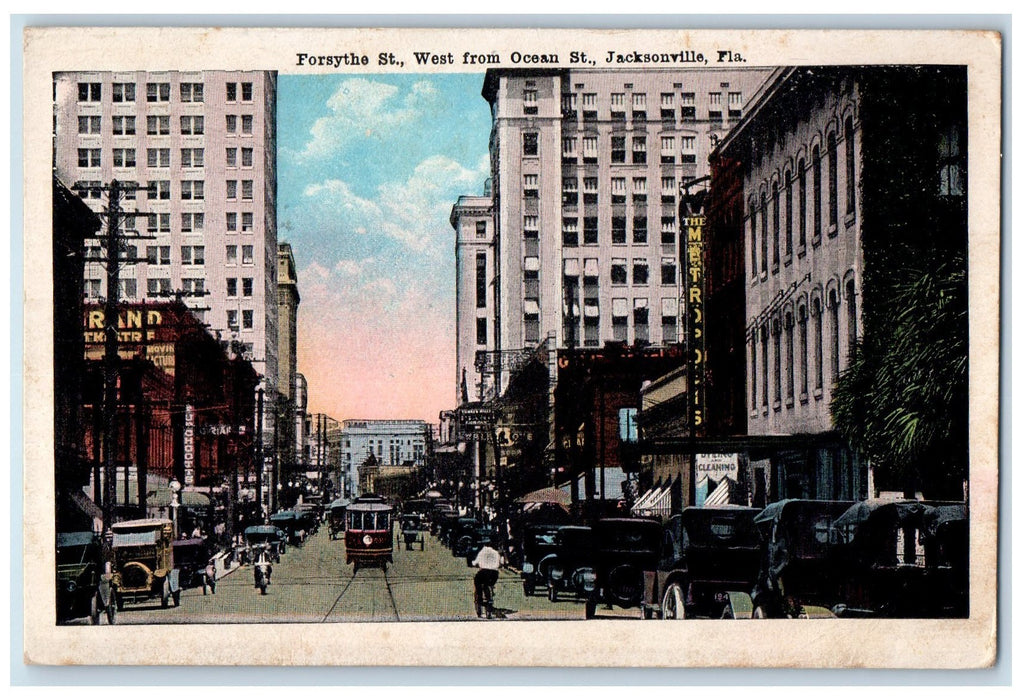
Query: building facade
475 259
197 154
387 442
588 167
288 300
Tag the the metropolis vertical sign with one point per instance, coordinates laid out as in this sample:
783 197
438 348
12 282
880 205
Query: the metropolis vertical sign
694 287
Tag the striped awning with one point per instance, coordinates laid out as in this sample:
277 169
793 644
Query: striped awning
721 495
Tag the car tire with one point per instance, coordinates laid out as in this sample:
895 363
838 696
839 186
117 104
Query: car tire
647 612
120 602
529 588
111 613
177 598
590 609
673 605
759 613
94 609
165 595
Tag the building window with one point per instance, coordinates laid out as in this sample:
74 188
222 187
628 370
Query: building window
638 107
246 92
192 221
668 272
591 331
246 221
531 279
688 150
852 321
158 223
590 230
832 181
530 102
688 105
618 190
232 157
124 126
618 232
191 125
158 126
669 320
763 341
589 106
158 157
193 255
531 327
640 316
232 189
192 158
666 149
246 286
530 144
246 189
817 314
618 271
191 92
569 105
617 149
232 319
480 280
89 158
716 111
951 164
158 287
193 189
619 319
639 231
232 92
247 318
232 124
123 92
232 221
787 214
817 195
640 271
124 157
158 254
530 185
668 229
849 166
835 341
591 188
158 189
789 359
776 212
763 230
801 205
777 361
480 229
157 92
90 92
639 190
246 255
569 147
590 149
569 231
90 125
803 347
569 191
193 286
638 149
246 123
734 106
231 259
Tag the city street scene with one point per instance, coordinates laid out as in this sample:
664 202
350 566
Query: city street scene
559 343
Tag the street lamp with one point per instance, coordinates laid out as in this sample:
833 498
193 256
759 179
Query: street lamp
175 490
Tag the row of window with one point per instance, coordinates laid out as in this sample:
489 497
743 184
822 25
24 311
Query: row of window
160 189
159 125
788 351
155 287
767 223
588 327
191 222
160 157
672 105
159 92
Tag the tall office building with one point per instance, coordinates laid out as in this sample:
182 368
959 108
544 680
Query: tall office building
472 219
588 167
288 300
202 146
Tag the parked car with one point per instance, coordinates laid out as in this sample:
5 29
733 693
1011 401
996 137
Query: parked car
625 548
537 551
336 514
143 566
270 537
482 535
413 531
572 568
946 537
462 535
83 587
192 556
801 569
289 522
708 565
889 553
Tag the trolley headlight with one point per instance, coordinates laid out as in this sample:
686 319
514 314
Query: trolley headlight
367 540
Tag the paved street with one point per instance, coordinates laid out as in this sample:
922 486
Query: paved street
313 584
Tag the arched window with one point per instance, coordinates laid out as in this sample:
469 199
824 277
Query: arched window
835 344
801 204
763 229
776 328
763 333
753 373
789 358
752 234
803 347
777 226
849 166
817 194
787 215
817 313
852 313
832 180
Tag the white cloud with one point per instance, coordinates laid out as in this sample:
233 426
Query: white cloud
365 108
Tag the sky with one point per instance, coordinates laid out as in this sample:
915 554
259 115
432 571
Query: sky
368 168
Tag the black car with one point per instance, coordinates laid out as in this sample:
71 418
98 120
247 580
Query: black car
572 568
462 535
83 586
708 565
482 535
537 550
625 548
191 556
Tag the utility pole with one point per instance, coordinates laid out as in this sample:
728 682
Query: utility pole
111 360
259 453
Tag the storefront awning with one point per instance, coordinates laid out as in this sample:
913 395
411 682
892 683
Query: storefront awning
721 495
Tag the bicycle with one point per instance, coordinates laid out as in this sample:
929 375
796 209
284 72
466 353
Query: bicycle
484 593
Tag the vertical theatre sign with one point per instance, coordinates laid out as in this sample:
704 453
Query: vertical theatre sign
189 445
696 341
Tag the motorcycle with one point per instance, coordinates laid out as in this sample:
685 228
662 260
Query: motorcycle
262 570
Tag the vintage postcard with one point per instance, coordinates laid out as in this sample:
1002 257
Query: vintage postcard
511 347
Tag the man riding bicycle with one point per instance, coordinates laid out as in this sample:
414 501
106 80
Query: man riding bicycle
488 561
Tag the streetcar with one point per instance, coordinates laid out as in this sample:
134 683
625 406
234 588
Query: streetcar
369 535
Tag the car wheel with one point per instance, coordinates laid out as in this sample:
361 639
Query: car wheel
177 597
94 610
120 602
759 613
529 588
673 605
111 613
647 612
590 609
165 595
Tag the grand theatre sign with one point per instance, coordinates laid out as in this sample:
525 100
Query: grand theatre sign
141 334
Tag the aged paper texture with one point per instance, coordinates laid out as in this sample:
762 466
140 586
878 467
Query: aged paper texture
424 58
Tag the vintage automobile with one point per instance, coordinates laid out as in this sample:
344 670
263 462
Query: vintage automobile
270 537
143 566
573 565
440 518
890 572
292 525
83 587
708 565
413 531
482 535
191 556
801 567
336 512
946 538
625 548
537 550
462 535
309 516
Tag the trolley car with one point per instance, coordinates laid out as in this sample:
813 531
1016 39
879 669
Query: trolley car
369 535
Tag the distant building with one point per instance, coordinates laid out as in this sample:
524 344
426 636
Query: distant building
387 442
474 254
288 300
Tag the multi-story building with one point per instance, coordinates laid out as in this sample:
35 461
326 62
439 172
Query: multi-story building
472 219
201 148
587 170
388 442
288 299
840 177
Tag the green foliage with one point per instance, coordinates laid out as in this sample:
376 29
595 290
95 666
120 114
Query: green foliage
903 401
